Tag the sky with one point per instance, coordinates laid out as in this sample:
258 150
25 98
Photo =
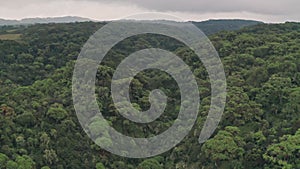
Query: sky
196 10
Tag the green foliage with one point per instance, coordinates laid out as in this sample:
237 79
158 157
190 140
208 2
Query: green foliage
225 147
57 112
50 156
3 160
285 153
45 167
26 119
150 164
11 165
100 166
21 162
213 26
25 162
259 128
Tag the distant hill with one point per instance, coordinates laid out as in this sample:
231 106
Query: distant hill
66 19
208 27
213 26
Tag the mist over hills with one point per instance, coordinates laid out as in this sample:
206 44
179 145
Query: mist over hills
65 19
208 27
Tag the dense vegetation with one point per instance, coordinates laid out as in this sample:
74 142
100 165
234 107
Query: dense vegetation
259 128
215 26
30 21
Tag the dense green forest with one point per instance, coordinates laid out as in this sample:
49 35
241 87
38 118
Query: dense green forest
214 26
259 128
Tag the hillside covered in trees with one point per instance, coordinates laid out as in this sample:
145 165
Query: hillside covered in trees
213 26
30 21
260 127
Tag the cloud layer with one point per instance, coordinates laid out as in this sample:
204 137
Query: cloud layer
274 7
265 10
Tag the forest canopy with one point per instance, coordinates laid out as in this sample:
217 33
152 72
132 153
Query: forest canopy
260 127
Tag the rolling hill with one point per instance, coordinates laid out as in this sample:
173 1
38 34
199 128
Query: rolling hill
65 19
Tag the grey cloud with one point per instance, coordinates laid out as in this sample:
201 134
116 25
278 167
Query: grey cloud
273 7
269 7
266 10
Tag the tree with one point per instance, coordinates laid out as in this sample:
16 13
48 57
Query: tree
226 148
45 140
11 165
50 156
274 93
25 162
45 167
57 112
150 164
257 76
100 166
240 109
284 154
292 107
3 160
26 119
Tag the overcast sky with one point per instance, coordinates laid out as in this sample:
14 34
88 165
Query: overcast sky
263 10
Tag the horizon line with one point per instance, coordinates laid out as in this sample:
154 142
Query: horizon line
108 20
